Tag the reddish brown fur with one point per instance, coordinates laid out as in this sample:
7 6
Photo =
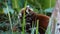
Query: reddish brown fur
43 20
43 23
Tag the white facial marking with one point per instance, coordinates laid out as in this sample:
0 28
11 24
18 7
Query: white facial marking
28 6
27 11
31 9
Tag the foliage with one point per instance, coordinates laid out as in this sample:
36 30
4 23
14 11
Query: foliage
11 8
18 4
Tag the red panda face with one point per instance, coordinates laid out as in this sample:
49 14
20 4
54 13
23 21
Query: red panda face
28 13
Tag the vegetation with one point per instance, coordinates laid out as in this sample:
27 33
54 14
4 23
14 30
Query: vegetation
9 10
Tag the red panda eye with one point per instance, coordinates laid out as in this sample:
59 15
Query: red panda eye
29 10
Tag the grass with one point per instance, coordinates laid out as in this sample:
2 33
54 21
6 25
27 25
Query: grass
37 26
24 22
10 19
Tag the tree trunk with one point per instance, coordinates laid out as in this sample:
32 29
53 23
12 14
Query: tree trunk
54 23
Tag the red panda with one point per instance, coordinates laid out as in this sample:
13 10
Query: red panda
32 17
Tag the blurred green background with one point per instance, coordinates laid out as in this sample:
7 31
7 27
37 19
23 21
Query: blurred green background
9 10
35 4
